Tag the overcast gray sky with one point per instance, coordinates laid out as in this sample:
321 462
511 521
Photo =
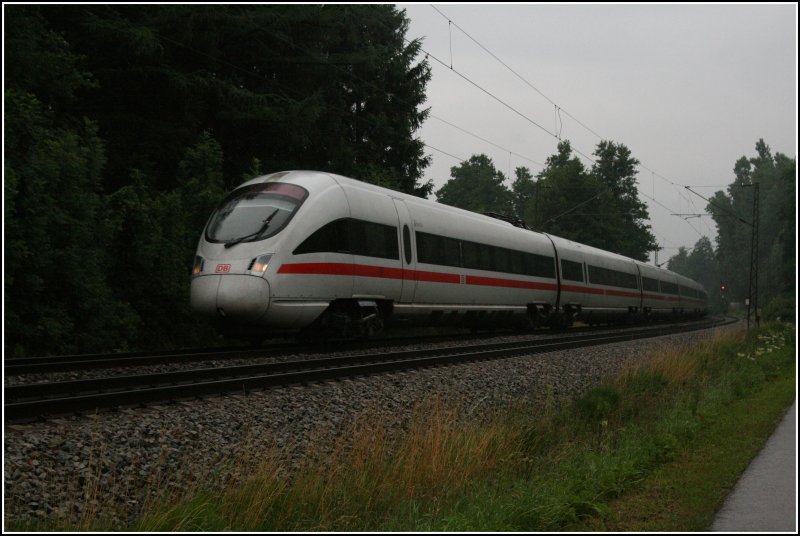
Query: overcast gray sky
688 88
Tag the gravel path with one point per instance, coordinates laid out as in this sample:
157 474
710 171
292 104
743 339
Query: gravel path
107 464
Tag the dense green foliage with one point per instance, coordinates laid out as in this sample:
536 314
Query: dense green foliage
125 125
702 266
781 310
299 87
733 214
477 186
599 207
775 175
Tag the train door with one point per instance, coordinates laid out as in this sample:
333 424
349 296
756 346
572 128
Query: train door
640 284
408 258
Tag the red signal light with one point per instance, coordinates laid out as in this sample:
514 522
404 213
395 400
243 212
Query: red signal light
723 288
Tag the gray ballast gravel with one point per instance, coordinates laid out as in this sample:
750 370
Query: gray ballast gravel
106 465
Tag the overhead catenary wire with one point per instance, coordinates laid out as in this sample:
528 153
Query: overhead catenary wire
513 71
670 211
460 159
486 91
551 101
724 209
558 108
486 141
501 101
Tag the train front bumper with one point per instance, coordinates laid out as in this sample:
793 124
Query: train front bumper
230 296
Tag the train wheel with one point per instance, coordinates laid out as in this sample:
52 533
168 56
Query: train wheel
371 327
561 321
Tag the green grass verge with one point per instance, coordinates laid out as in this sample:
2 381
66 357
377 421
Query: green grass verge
685 494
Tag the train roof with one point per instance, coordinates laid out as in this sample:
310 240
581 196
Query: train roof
299 175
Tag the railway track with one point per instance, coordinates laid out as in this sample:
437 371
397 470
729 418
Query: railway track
73 363
32 401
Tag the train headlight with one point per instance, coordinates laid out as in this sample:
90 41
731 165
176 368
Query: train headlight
261 263
199 262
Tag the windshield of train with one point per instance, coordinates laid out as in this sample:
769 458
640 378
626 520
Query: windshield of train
254 212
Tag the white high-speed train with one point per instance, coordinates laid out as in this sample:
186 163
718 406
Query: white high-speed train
305 250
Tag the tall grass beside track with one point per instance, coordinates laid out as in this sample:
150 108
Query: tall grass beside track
520 469
517 470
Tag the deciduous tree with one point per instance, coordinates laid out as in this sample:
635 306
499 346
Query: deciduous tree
477 186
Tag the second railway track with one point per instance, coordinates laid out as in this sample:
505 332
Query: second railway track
26 402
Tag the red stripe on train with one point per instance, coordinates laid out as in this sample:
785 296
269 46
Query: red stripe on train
511 283
367 270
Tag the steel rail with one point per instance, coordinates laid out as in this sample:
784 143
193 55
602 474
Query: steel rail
31 401
79 362
71 363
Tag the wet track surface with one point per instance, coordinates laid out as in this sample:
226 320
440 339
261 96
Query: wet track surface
765 498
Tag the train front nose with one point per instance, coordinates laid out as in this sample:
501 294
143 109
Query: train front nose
230 296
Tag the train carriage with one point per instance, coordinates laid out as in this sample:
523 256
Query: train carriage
479 267
310 250
660 297
596 285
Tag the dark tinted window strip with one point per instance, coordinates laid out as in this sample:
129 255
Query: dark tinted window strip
350 235
668 288
650 284
571 271
445 251
612 278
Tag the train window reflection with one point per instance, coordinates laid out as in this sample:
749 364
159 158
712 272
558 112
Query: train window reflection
445 251
350 235
254 212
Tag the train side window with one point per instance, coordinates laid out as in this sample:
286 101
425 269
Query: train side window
517 262
469 251
426 246
595 275
452 252
669 288
407 243
540 265
571 270
330 238
485 258
650 284
353 236
501 260
373 239
612 278
441 250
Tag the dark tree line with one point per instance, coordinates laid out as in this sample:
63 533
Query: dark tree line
733 214
600 207
125 125
701 265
